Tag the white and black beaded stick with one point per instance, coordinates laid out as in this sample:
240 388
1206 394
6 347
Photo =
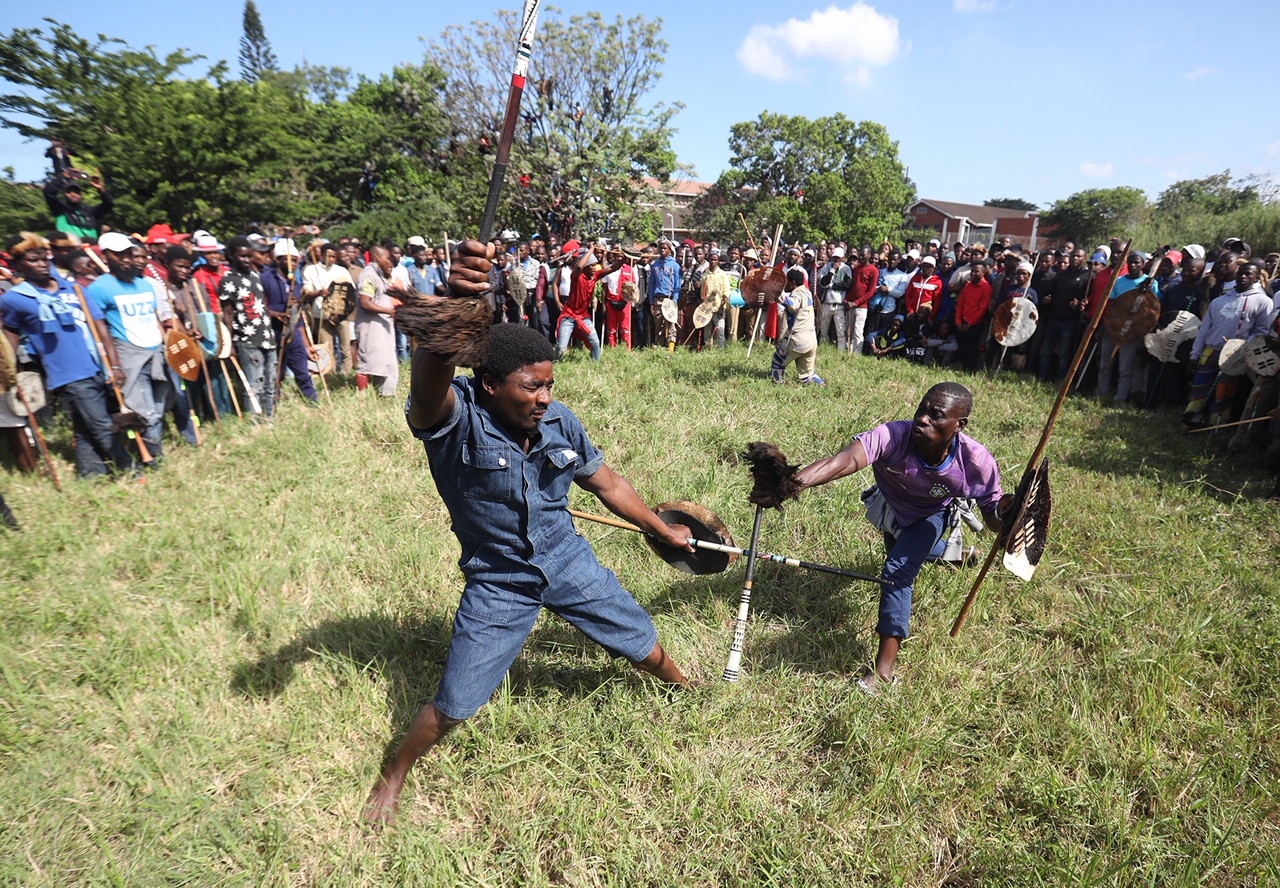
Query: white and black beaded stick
731 668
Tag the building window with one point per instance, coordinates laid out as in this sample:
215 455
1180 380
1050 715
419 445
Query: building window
921 209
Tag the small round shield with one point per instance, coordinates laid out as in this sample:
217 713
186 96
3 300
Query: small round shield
763 285
705 526
1014 321
670 311
32 386
323 364
1260 357
1231 359
1131 316
182 354
702 315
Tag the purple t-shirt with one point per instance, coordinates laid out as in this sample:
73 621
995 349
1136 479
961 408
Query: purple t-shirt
916 490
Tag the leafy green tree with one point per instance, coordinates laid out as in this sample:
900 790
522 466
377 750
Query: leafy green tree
823 178
1213 195
586 138
1010 203
1096 214
210 152
256 57
22 209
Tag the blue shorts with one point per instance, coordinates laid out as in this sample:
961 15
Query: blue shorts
492 623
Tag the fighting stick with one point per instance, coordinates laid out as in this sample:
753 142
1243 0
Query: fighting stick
35 426
518 75
1028 474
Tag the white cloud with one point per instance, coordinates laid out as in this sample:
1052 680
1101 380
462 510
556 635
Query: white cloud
1097 170
975 5
855 39
1196 74
1273 149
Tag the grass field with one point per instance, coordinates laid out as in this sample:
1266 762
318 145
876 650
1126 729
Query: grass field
202 673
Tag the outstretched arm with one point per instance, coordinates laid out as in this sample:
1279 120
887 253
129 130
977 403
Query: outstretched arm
620 498
849 460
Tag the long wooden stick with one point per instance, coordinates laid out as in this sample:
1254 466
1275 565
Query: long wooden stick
35 426
1228 425
518 74
244 381
1030 470
306 331
734 550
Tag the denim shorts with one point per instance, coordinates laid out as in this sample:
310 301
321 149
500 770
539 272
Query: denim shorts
492 623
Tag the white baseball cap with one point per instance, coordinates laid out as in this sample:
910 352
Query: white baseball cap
115 242
913 253
285 247
929 260
837 253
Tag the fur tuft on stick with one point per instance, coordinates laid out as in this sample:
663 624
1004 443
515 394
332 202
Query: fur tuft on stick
454 330
127 420
775 478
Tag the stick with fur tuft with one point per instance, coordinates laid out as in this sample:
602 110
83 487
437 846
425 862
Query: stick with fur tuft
454 330
775 478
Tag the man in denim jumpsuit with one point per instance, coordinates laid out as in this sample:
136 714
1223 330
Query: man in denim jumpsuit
503 455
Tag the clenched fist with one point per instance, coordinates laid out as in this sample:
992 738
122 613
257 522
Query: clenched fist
469 271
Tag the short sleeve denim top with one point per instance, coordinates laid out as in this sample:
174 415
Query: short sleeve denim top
509 508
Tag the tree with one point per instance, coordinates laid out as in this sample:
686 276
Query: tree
1010 203
824 178
1212 195
586 138
22 209
1096 214
256 57
208 152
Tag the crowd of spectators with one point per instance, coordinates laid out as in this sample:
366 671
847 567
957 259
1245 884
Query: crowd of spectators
90 311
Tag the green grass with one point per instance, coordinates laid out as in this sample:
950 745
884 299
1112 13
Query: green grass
201 674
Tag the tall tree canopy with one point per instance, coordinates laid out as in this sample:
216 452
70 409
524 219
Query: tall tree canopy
256 57
1096 214
1010 203
587 137
824 178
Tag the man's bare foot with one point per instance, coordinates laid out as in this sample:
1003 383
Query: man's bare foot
383 804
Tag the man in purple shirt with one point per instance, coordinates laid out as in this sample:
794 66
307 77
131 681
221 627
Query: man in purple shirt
921 467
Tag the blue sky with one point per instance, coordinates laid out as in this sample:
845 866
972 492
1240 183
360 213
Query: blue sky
987 98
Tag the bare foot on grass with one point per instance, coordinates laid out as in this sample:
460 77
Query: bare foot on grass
383 804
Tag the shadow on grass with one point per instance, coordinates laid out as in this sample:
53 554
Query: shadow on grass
1151 446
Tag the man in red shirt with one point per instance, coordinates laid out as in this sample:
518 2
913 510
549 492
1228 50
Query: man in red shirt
971 313
866 277
575 312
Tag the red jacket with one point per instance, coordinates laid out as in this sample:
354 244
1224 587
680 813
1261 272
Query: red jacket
971 304
865 280
922 290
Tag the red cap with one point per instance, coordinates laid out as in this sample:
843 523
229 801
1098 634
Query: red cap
568 247
163 234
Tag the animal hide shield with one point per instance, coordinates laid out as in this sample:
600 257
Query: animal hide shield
1014 321
32 386
1231 360
703 525
339 302
1027 533
763 285
182 354
1131 316
323 364
670 311
702 315
1176 329
1260 357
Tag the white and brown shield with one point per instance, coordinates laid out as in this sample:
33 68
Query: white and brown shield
1163 342
1231 359
1260 357
1014 321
